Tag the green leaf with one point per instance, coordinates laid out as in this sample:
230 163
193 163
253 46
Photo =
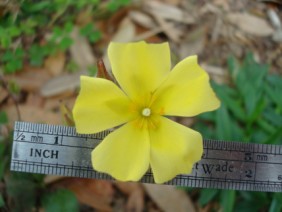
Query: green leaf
5 38
233 67
13 60
207 195
249 83
65 43
28 26
251 201
206 130
91 33
223 124
57 33
37 54
2 203
263 124
276 204
3 157
2 149
60 200
208 116
13 66
227 200
22 190
114 5
18 53
230 98
3 165
272 117
14 31
8 55
256 111
3 117
36 6
274 88
68 27
275 138
92 70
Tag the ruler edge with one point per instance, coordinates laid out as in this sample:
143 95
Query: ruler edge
207 142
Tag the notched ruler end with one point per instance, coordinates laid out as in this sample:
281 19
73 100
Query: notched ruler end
59 150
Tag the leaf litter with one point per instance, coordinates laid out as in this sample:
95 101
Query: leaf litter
213 30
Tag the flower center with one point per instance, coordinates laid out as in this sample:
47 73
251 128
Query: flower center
146 112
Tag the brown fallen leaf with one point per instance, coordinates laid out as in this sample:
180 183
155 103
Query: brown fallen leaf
95 193
30 79
217 73
35 100
49 179
173 2
54 64
3 94
32 113
61 84
169 28
193 43
250 24
142 19
135 193
169 199
168 12
125 33
81 52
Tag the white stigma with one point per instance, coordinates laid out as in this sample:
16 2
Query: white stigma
146 112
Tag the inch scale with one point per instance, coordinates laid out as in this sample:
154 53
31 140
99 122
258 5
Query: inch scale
59 150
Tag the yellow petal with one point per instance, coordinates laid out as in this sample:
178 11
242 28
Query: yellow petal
174 149
187 91
100 105
124 154
139 67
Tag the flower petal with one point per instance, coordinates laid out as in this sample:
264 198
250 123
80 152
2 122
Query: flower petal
186 91
124 154
100 105
174 149
139 67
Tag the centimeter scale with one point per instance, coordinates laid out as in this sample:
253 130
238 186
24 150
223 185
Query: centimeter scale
59 150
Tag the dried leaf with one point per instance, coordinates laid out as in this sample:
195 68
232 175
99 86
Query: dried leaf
135 201
3 94
250 24
173 2
218 74
193 43
30 79
95 193
135 193
169 199
54 64
125 33
66 115
31 113
168 12
61 84
81 51
53 179
142 19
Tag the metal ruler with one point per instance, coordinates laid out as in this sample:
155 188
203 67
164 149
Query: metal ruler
59 150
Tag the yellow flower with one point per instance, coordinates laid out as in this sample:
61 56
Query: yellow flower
148 92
